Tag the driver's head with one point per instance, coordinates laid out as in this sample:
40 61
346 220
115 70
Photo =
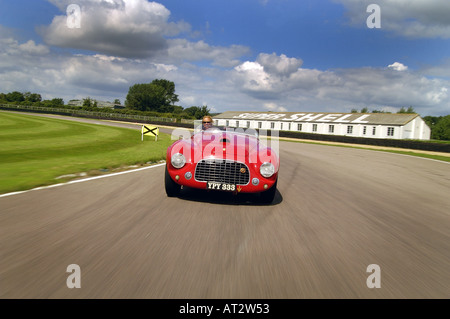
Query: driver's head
206 122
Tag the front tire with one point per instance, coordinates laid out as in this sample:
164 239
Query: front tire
172 188
268 196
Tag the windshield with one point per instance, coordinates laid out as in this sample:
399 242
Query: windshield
217 129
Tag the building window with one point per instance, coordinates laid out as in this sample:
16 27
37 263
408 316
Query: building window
350 129
374 130
289 126
331 129
299 127
248 124
364 130
227 123
314 128
259 124
272 125
237 123
390 131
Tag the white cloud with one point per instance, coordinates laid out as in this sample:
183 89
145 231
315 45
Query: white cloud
279 65
397 66
182 49
373 86
134 29
410 18
12 46
309 89
441 71
128 28
268 76
274 107
438 95
32 48
73 76
254 80
268 82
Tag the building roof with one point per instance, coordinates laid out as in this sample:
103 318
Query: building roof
355 118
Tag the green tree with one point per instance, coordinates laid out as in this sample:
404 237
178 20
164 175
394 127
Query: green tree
56 102
177 109
15 97
32 97
202 111
441 130
197 111
409 110
364 110
191 110
159 96
431 120
87 102
169 90
145 97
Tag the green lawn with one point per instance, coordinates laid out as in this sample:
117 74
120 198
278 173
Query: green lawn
37 151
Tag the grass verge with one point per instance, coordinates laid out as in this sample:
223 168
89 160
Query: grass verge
39 151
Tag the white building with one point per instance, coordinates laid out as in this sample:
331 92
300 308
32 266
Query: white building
370 125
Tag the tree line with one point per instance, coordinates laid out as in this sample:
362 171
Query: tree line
403 110
156 97
29 98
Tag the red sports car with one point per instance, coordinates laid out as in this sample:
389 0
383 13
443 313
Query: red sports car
222 159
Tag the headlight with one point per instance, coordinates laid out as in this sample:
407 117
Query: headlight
267 169
178 160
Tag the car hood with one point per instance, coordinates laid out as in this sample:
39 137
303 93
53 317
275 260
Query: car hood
224 145
206 139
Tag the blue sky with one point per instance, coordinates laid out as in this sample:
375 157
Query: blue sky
253 55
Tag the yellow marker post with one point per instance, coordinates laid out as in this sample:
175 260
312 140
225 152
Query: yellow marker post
149 130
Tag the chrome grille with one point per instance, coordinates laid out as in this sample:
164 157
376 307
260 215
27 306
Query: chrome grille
222 171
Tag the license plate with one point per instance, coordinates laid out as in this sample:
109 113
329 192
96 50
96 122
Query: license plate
221 186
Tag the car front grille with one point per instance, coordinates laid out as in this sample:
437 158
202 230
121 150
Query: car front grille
222 171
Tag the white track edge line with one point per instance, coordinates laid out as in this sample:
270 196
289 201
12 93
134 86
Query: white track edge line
81 180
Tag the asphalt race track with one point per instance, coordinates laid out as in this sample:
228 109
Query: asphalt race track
337 211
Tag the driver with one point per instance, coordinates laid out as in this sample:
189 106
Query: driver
207 122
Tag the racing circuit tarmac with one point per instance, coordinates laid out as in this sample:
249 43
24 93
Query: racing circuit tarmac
337 211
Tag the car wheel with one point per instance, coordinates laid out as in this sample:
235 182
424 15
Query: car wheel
172 188
267 196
